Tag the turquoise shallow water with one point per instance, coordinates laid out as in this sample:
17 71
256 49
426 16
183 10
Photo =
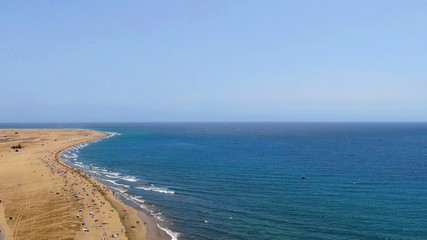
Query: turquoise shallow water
243 180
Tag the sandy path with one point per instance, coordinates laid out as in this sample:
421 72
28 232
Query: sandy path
42 198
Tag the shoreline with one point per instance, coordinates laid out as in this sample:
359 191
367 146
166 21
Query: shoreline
152 230
82 207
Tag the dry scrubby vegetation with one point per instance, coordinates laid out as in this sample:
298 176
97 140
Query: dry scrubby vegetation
19 146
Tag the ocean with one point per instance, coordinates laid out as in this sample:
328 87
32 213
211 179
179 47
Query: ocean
228 181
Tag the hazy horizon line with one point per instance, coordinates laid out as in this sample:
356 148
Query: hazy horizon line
216 122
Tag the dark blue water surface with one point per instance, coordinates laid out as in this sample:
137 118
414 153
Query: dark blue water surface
243 180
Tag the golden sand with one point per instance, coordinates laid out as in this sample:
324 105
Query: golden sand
38 192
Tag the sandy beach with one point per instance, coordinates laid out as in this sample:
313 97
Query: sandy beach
43 198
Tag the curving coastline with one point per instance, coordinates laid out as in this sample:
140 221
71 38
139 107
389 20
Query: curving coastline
44 198
129 214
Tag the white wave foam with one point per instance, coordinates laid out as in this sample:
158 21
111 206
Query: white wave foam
112 134
116 183
129 178
111 181
157 189
113 175
119 189
159 216
146 208
173 235
135 199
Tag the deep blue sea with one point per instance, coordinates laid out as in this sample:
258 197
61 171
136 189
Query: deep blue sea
228 181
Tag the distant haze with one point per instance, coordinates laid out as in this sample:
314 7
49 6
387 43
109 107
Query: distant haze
96 61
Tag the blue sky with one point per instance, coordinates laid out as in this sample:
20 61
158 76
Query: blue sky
68 61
